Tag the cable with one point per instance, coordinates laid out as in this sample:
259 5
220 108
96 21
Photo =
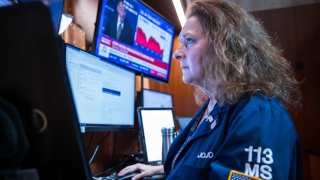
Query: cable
112 168
97 148
94 153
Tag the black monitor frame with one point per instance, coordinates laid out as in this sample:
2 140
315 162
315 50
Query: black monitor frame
141 97
34 80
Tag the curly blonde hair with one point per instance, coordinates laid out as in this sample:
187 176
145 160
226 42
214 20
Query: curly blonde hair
246 61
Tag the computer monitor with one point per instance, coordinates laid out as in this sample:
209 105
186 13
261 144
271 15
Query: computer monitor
103 92
34 80
142 42
156 99
151 120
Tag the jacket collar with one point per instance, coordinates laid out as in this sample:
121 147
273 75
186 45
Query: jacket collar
207 125
203 129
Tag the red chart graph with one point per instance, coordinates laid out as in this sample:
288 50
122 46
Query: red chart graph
150 43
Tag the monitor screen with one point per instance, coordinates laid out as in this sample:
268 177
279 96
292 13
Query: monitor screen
152 98
132 35
103 93
151 120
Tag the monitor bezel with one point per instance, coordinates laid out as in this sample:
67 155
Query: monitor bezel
86 127
156 91
95 38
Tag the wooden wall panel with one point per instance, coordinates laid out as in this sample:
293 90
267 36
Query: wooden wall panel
308 52
280 25
312 164
75 36
297 31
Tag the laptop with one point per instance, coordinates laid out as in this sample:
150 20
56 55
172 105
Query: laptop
151 120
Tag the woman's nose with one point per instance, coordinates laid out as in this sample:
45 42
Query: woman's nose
178 54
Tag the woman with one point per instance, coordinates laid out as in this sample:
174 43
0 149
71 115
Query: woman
243 128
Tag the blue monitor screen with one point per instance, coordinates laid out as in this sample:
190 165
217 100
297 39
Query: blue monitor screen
103 93
132 35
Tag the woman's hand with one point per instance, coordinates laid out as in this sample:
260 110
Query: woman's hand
142 169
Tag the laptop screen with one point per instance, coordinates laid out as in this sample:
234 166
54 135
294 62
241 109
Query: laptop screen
151 120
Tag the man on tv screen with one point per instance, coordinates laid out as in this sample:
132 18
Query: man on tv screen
118 27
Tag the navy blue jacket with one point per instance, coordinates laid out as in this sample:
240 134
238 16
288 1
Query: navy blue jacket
255 136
